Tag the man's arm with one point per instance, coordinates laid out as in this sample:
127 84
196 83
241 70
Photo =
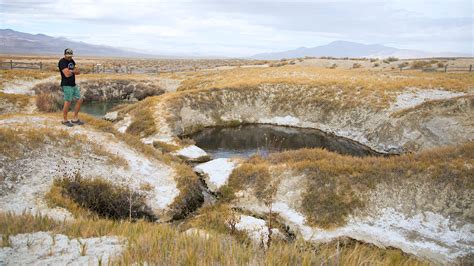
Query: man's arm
69 72
76 71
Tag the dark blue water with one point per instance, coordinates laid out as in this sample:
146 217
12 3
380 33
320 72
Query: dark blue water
247 140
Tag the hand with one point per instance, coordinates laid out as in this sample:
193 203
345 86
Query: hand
76 71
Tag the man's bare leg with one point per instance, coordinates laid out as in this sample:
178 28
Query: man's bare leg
66 110
77 108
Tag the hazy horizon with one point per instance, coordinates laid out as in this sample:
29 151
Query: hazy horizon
245 28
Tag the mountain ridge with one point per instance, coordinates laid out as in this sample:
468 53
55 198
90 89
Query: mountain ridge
342 48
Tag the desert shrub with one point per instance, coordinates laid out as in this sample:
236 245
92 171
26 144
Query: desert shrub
279 64
404 64
333 66
356 65
373 60
418 64
104 198
392 59
49 102
440 64
376 64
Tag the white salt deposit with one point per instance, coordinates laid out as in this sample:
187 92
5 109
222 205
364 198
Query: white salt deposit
42 248
415 97
217 172
191 152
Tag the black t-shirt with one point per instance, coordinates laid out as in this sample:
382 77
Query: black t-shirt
65 81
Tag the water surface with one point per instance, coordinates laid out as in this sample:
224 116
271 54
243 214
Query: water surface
246 140
98 109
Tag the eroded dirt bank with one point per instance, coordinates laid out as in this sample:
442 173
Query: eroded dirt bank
439 118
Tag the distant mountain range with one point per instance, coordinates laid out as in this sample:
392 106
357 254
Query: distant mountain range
14 42
353 49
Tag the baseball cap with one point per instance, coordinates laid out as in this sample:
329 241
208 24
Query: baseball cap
68 51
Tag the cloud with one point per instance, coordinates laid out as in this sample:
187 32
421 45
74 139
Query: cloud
244 27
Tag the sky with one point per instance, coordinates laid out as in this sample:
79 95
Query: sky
240 28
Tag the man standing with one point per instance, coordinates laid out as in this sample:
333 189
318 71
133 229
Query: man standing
68 70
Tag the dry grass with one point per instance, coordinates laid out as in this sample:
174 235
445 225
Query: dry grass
143 123
254 175
215 218
190 197
163 244
165 147
365 79
348 84
56 197
49 102
121 76
131 140
100 197
336 185
19 99
22 74
16 142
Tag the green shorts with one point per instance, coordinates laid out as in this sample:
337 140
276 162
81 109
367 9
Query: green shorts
71 92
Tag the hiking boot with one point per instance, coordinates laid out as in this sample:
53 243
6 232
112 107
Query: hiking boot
77 122
67 123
